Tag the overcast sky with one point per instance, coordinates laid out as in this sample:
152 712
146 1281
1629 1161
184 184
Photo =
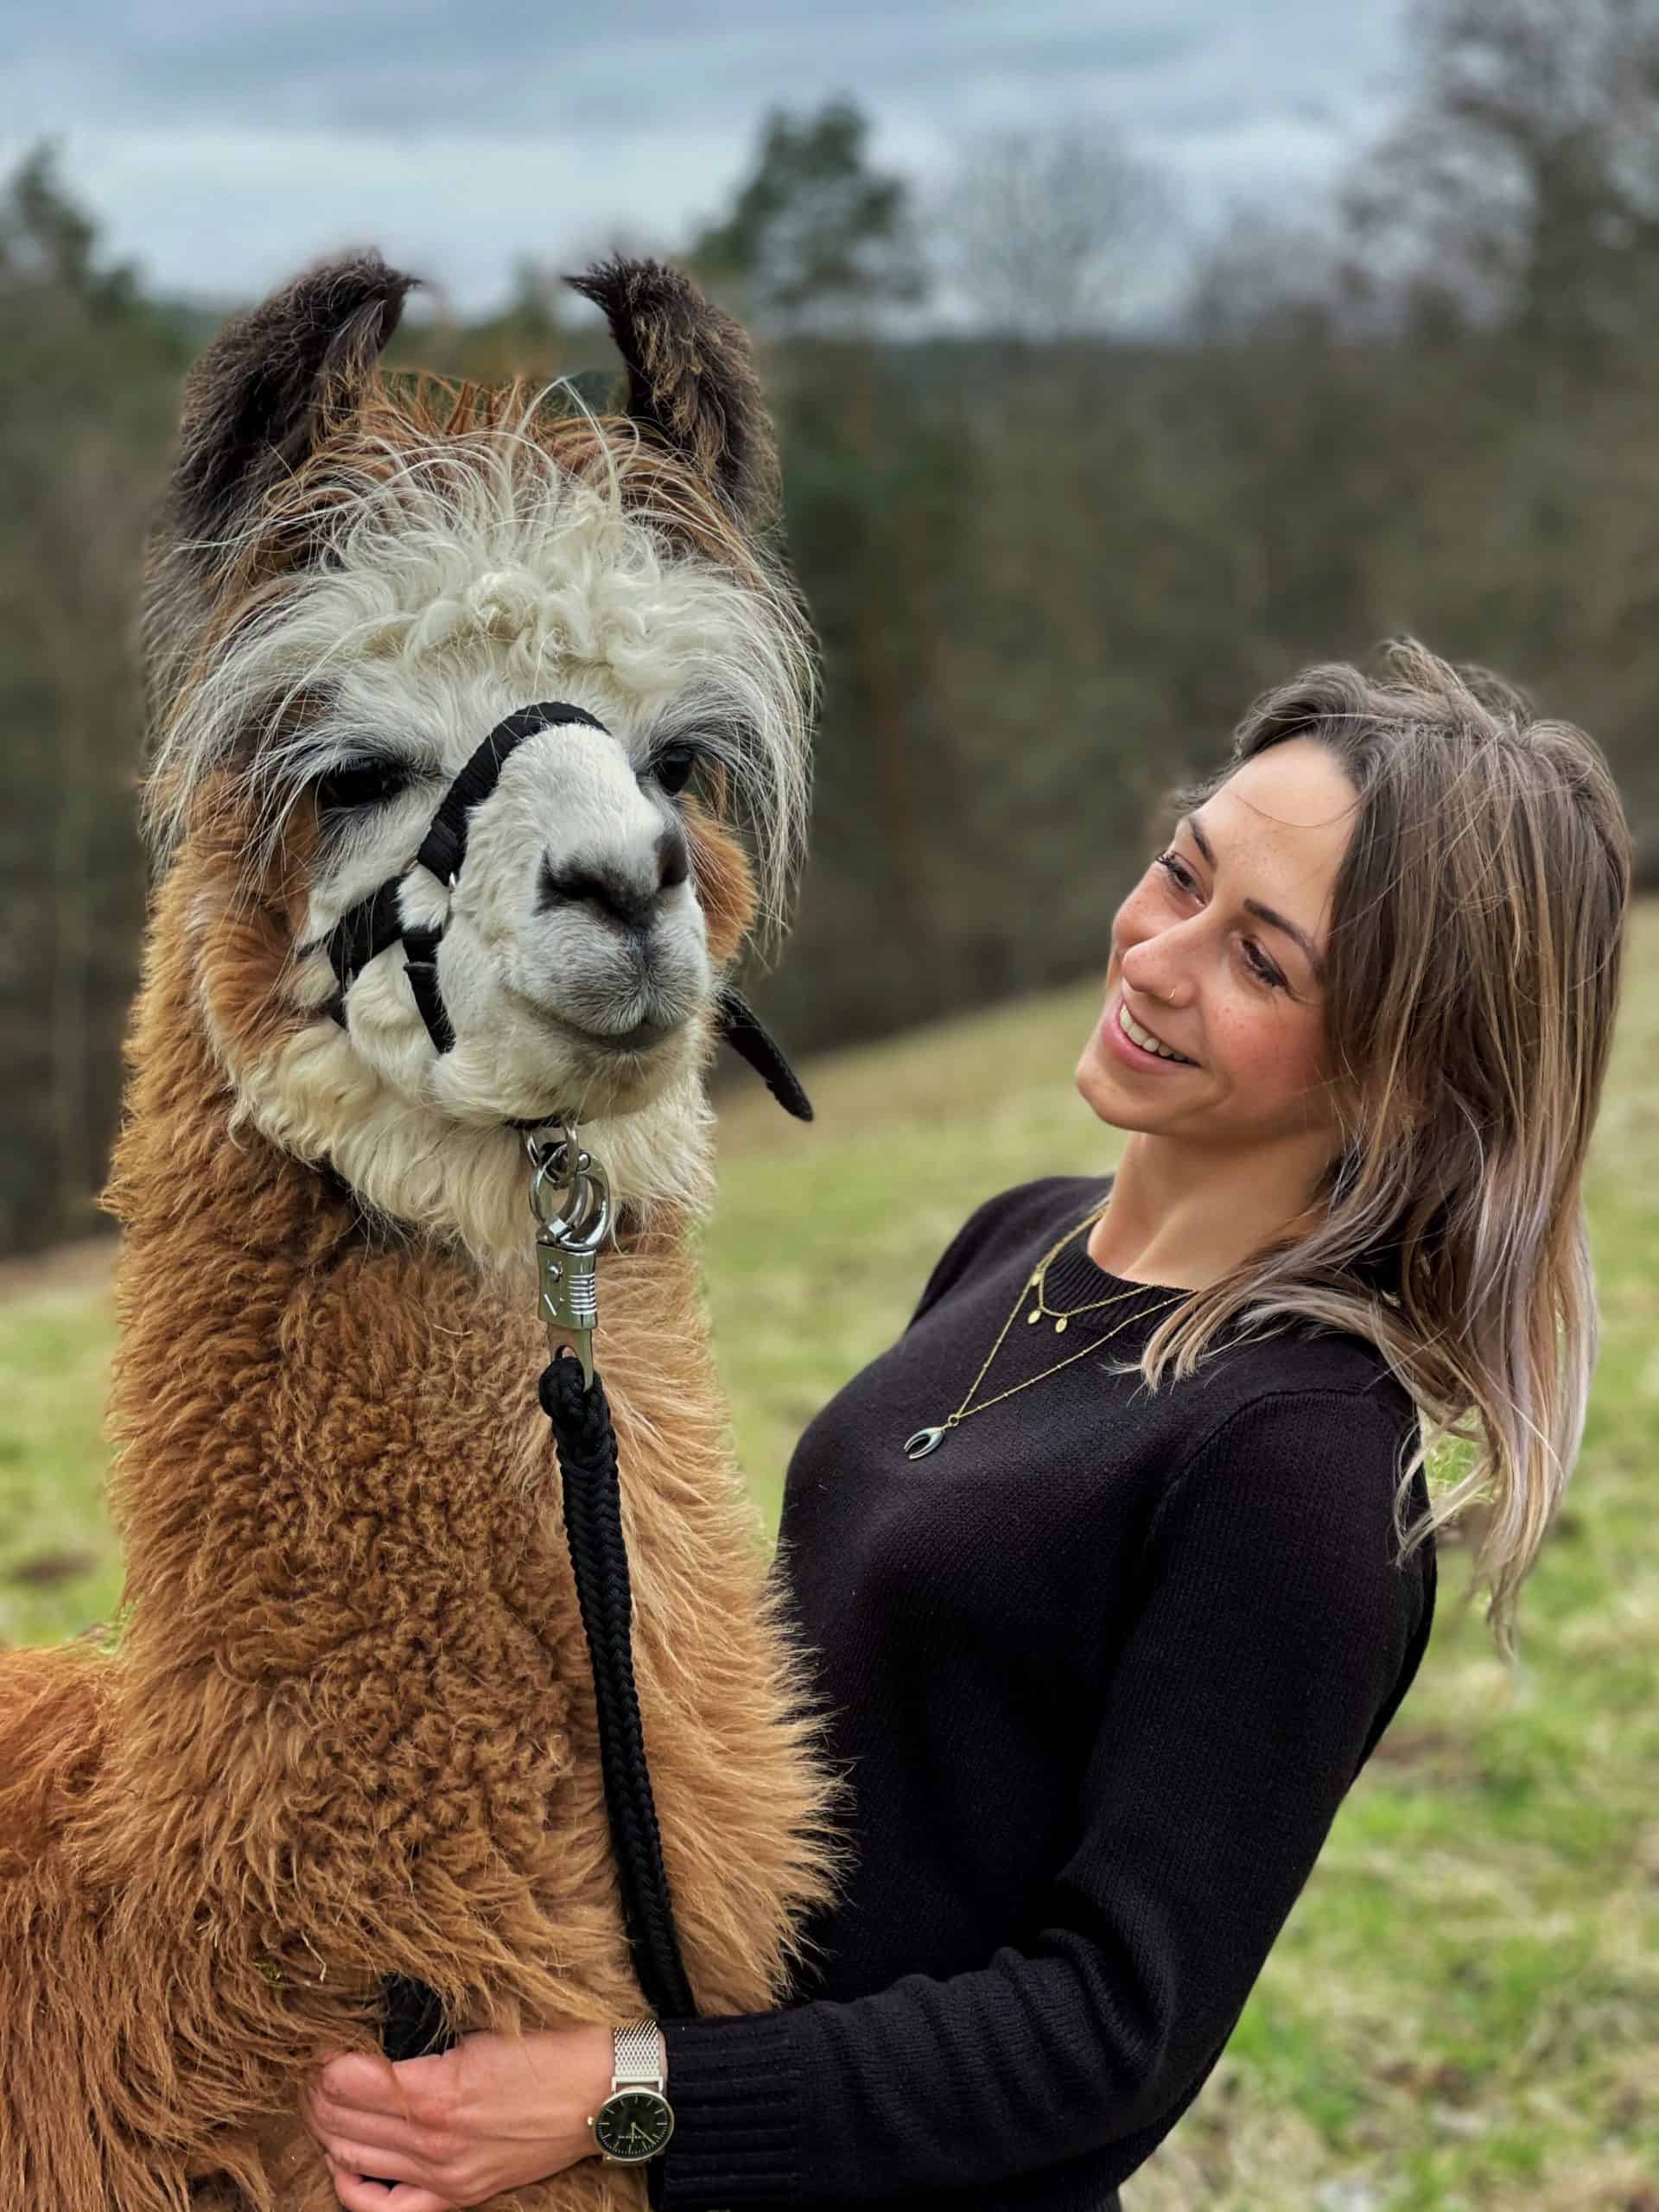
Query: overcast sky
222 143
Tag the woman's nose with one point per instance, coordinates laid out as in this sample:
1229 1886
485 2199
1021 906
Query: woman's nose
1156 973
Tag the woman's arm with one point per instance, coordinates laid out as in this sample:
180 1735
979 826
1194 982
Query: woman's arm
1273 1639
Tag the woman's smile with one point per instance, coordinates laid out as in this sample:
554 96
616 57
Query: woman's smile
1118 1042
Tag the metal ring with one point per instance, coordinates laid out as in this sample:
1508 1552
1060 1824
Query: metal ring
585 1228
542 1151
551 1159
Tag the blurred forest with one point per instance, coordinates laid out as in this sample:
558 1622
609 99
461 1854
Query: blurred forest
1051 561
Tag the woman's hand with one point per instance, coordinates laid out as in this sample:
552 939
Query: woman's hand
494 2112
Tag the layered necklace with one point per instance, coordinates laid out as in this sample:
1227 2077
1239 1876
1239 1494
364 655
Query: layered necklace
928 1440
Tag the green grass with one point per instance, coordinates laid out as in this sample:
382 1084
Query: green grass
58 1567
1463 2010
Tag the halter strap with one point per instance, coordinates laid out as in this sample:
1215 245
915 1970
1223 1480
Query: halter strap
444 846
365 933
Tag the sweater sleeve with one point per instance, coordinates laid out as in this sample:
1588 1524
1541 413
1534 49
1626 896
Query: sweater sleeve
1273 1639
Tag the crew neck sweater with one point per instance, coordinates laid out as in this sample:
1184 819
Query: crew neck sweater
1099 1671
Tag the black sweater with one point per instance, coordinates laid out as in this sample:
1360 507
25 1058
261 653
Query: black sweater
1103 1666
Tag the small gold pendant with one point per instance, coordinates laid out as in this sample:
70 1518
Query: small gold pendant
1059 1326
1037 1316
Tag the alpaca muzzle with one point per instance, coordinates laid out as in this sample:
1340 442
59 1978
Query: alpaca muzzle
376 922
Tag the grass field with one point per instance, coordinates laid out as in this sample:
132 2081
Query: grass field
1463 2010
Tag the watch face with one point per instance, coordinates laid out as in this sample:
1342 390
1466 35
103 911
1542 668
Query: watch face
633 2123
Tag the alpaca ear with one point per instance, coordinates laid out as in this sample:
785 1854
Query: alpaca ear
256 402
690 378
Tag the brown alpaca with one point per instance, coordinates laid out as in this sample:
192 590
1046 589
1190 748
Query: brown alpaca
347 1729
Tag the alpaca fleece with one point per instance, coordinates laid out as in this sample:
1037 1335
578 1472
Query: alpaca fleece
346 1729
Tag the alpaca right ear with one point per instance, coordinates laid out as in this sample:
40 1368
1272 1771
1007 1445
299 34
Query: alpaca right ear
256 404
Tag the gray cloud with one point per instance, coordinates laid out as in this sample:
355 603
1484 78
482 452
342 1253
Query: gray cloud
222 145
493 66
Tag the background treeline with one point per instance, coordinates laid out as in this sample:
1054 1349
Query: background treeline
1052 550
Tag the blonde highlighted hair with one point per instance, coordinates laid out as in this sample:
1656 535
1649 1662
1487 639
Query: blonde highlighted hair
1472 980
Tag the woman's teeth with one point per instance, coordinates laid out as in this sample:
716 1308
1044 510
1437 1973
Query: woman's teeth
1145 1039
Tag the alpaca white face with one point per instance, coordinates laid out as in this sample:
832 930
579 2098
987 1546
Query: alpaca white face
574 952
589 924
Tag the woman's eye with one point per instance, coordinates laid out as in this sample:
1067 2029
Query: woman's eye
359 784
1263 970
673 767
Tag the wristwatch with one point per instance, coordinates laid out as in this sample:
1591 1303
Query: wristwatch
636 2119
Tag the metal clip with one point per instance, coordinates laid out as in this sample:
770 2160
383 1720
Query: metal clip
571 1201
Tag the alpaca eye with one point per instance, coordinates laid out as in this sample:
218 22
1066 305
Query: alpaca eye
358 784
673 767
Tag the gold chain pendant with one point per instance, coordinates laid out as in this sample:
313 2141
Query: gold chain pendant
924 1440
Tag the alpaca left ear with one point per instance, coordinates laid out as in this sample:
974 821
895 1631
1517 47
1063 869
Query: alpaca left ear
690 379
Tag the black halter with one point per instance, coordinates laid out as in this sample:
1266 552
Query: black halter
366 930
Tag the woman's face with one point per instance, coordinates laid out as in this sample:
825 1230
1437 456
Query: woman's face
1238 996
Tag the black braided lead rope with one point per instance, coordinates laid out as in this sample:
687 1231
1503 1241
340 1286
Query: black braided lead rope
586 1442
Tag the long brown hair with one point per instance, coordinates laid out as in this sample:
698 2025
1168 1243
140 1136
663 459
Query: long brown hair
1472 980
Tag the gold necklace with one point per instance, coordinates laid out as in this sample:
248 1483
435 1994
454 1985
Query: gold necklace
1043 1310
928 1440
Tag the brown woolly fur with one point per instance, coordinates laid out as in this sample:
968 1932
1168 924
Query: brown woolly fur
724 890
241 959
348 1726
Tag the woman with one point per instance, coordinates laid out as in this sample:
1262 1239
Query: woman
1102 1660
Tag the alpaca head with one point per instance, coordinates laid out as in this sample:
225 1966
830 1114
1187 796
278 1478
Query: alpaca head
356 581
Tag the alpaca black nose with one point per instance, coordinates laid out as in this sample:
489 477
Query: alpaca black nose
616 894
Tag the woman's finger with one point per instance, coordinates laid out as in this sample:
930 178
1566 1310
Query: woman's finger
333 2125
374 2161
359 2194
362 2083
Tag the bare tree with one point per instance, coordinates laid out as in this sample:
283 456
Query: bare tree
1521 183
1044 236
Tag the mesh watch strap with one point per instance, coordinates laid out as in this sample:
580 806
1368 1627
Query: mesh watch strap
637 2053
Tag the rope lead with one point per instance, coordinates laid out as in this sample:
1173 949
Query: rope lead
586 1442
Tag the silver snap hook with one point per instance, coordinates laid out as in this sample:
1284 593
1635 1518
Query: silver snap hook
571 1201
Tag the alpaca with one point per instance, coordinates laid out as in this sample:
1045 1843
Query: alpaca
346 1729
